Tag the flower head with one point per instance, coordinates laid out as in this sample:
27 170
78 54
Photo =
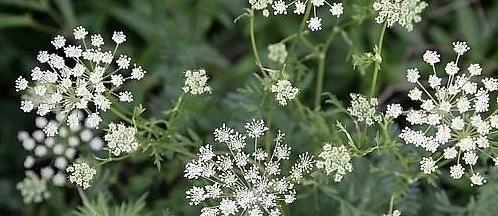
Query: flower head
61 148
196 82
277 52
401 12
284 91
364 109
84 78
335 160
245 181
81 174
453 120
120 139
33 189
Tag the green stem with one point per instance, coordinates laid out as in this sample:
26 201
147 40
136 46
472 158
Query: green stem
321 66
377 62
319 79
391 205
253 38
121 115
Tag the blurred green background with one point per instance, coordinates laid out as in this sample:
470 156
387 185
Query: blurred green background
168 37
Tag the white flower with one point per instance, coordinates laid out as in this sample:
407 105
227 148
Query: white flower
428 165
477 179
80 33
315 23
97 40
121 139
21 84
284 92
453 115
279 7
119 37
402 12
81 174
457 171
336 9
33 189
59 42
334 160
125 96
255 128
300 7
412 75
56 144
363 109
460 47
244 181
277 52
431 57
196 82
89 85
394 110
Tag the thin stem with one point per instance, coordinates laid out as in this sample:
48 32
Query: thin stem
319 79
253 38
391 205
377 63
121 115
321 66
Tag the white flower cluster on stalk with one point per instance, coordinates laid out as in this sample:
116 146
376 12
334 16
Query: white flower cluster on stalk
277 52
33 189
454 123
394 213
121 139
335 160
284 92
280 7
196 82
245 179
401 12
60 149
364 109
81 174
85 77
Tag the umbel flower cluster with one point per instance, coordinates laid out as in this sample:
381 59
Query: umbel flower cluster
454 123
335 160
80 173
280 7
284 92
51 155
84 77
120 139
33 188
364 109
246 179
402 12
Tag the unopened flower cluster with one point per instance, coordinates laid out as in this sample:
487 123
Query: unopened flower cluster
364 109
335 161
453 123
85 77
81 174
196 82
60 149
120 139
280 7
402 12
284 92
33 188
277 52
246 179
